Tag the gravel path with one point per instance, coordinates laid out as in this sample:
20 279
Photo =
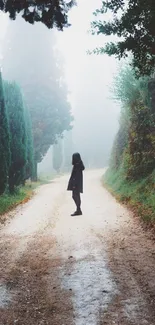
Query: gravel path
94 269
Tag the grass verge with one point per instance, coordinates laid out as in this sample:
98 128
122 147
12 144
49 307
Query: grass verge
139 196
22 195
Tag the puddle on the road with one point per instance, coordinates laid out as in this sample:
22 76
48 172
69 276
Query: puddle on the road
92 288
5 296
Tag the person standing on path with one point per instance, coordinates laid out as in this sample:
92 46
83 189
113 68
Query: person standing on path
76 182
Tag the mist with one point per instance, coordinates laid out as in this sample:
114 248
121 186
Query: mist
96 116
88 80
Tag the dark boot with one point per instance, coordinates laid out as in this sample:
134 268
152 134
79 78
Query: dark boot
78 212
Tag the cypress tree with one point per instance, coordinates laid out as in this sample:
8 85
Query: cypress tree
29 168
18 136
4 141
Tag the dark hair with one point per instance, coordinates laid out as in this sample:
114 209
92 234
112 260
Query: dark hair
76 158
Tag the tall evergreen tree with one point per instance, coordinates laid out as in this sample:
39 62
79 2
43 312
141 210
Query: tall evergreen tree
18 136
29 168
4 141
32 61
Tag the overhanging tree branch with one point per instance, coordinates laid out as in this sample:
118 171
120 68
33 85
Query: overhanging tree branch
135 25
49 12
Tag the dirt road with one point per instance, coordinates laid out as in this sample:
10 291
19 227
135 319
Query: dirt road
94 269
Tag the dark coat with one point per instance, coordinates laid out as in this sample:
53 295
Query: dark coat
76 179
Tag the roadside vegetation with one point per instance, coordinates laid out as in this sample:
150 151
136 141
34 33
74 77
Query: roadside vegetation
21 195
131 173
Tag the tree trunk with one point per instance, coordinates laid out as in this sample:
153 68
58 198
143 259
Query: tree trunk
11 186
35 173
23 182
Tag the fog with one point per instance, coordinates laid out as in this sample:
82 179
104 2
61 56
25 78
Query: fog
96 116
89 79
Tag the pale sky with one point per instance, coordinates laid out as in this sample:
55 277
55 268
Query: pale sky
75 41
89 78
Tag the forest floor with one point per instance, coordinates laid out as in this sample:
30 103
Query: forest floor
94 269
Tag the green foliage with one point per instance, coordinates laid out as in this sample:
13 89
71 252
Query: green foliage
21 195
9 201
4 141
121 140
141 146
29 167
18 135
137 195
134 145
16 148
51 13
57 155
134 23
151 89
131 175
126 87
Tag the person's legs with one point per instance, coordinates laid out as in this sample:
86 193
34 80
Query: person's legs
77 200
74 196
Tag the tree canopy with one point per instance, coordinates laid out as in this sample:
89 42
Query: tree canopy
134 23
49 12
